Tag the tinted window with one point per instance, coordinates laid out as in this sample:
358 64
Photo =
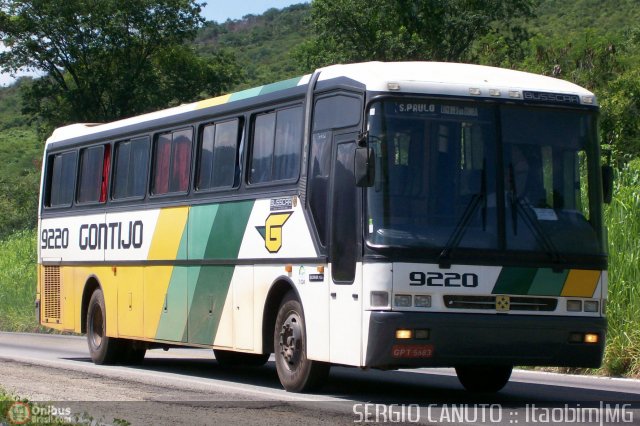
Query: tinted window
286 158
131 164
63 177
91 174
218 155
277 142
344 237
263 137
336 111
320 167
172 161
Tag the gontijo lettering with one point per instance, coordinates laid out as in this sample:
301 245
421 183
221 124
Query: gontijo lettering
111 236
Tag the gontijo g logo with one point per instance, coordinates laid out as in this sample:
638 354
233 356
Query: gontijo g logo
272 230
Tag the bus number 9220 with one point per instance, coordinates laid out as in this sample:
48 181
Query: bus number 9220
439 279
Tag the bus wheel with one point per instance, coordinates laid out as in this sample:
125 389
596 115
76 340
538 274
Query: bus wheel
484 378
296 372
234 359
103 349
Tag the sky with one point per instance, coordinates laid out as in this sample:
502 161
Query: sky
215 10
221 10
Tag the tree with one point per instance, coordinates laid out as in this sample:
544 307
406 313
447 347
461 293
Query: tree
391 30
107 59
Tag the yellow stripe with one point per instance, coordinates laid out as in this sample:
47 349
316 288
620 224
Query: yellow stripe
581 283
213 101
168 232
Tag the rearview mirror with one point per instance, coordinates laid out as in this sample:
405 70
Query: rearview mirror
607 184
364 167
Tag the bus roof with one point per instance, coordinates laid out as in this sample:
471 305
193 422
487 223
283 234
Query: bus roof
437 78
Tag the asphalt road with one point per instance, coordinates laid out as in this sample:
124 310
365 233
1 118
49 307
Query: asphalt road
187 386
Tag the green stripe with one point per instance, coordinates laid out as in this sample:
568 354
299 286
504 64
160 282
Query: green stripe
209 285
514 280
201 220
280 85
249 93
548 283
173 320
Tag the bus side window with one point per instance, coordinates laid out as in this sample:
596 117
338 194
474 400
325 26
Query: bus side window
130 168
276 146
92 161
218 155
172 162
61 179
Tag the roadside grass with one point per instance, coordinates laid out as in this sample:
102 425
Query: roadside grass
622 218
18 282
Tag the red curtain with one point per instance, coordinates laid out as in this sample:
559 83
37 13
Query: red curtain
162 162
105 173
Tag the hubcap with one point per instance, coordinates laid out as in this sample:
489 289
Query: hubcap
97 326
291 340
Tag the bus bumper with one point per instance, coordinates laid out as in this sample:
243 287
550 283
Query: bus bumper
466 339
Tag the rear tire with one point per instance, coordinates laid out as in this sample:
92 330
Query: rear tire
236 359
297 373
102 348
484 378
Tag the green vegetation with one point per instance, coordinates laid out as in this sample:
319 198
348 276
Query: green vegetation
623 309
18 282
262 43
109 59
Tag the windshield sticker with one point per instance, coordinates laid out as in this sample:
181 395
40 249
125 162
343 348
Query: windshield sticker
545 214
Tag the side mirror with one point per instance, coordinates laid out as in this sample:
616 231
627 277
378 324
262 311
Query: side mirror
364 167
607 184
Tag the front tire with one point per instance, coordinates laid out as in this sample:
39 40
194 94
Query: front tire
296 372
102 348
484 378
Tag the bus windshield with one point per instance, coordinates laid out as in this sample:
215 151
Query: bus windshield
455 175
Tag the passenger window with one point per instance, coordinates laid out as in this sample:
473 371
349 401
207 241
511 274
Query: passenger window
62 179
218 155
277 144
130 168
94 162
172 162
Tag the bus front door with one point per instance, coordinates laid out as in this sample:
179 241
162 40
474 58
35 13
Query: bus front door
346 282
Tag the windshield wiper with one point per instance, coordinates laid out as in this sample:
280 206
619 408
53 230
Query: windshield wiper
519 206
444 259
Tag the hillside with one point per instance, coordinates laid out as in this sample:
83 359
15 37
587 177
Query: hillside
262 43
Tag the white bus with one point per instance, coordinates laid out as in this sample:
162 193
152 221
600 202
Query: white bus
376 215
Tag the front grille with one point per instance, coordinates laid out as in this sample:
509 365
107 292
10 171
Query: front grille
516 303
52 293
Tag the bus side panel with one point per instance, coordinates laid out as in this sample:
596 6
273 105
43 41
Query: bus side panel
215 236
277 232
165 286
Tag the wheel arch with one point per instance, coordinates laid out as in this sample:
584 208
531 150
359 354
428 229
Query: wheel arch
91 285
280 287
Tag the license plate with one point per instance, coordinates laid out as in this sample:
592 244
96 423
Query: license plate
412 351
